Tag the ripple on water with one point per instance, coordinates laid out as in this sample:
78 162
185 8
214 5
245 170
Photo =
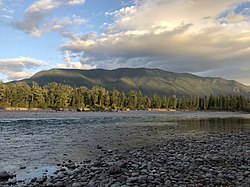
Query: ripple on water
41 139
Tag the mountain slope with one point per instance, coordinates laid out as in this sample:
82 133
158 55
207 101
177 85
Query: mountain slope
149 81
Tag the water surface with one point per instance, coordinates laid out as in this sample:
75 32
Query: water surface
38 139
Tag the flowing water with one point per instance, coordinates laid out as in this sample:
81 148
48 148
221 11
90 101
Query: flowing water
39 140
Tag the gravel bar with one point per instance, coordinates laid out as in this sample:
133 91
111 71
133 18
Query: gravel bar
218 159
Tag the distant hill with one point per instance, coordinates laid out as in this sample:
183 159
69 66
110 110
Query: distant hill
149 81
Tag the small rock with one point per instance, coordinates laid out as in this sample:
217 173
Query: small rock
84 179
33 179
132 179
40 180
60 175
142 178
199 160
114 170
246 173
12 181
59 184
151 178
121 179
50 184
4 175
168 183
76 185
99 147
115 185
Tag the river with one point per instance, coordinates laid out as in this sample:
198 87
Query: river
38 140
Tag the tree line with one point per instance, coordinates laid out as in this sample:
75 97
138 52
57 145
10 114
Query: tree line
55 96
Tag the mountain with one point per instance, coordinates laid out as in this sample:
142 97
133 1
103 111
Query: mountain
149 81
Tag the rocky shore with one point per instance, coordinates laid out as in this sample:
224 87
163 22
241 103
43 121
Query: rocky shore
216 160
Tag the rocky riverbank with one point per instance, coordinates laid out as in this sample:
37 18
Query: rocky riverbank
216 160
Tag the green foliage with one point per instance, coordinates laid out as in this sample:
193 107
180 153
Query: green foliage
20 95
2 91
148 81
37 96
156 101
54 95
132 100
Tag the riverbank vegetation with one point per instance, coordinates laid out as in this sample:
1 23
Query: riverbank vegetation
60 96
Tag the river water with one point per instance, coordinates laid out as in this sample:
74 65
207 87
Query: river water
38 140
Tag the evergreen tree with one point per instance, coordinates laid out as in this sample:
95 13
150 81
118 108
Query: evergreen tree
2 92
147 102
174 102
122 97
206 103
132 99
155 101
140 104
22 95
114 98
37 97
165 102
54 95
106 100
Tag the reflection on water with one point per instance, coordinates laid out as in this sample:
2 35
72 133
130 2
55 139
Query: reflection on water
217 124
42 139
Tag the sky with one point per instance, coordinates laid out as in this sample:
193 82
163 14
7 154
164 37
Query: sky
202 37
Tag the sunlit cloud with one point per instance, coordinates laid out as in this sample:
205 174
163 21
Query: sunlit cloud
192 36
74 65
17 68
36 22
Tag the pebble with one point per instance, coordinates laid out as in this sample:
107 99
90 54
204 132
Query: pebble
114 170
217 160
49 184
33 179
76 185
22 167
132 179
168 183
59 184
12 181
4 175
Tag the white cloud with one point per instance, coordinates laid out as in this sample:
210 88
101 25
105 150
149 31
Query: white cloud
6 18
19 75
48 5
75 2
54 24
177 35
36 22
74 65
5 7
17 68
235 18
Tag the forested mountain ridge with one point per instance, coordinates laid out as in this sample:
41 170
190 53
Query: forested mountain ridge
148 81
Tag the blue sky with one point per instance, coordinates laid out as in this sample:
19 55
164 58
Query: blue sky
203 37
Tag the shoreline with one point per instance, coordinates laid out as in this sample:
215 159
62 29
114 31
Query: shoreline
218 159
109 110
83 109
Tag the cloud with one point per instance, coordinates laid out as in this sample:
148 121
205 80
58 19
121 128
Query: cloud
6 8
54 24
178 35
234 18
17 68
75 2
19 75
36 22
74 65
